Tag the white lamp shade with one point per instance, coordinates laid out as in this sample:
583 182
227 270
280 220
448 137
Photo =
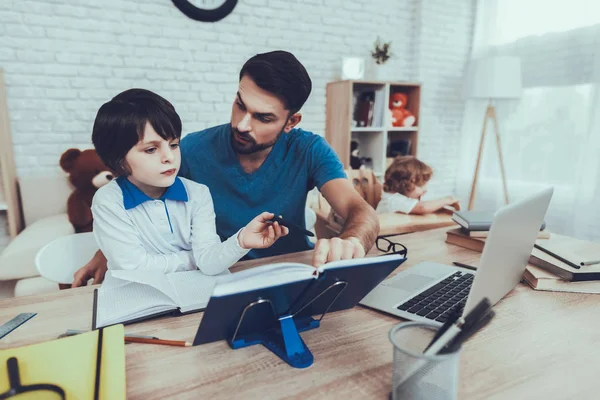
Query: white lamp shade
494 78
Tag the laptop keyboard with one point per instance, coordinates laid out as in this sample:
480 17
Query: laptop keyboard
438 301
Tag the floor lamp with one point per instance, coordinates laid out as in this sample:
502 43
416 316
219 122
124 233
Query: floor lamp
492 78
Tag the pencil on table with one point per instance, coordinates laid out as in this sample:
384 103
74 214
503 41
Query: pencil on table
180 343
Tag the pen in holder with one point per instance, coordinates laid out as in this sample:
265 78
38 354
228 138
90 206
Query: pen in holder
419 376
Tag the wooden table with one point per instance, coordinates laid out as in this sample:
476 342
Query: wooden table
392 223
398 223
540 345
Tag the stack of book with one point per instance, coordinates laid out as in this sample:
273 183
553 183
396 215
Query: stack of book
476 224
554 264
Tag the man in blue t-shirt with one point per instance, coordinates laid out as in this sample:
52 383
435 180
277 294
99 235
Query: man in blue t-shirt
261 162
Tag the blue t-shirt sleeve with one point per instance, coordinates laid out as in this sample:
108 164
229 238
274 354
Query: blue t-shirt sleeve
324 164
184 169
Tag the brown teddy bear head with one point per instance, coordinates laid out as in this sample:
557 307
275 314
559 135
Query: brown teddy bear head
398 101
85 168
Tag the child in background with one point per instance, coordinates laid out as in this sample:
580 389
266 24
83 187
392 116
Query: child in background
405 182
149 218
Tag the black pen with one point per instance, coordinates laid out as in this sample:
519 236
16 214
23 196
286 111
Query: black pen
287 224
472 268
569 263
479 316
452 318
466 333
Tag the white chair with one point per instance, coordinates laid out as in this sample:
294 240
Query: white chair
61 258
44 207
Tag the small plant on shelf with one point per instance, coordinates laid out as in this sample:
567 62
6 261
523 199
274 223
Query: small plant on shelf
382 51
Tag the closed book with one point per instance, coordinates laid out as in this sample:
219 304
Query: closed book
474 220
484 234
132 296
571 249
459 238
572 253
84 366
540 279
477 220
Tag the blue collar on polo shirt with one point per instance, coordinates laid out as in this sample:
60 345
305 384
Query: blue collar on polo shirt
133 196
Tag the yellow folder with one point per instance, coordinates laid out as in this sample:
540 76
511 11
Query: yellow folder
70 363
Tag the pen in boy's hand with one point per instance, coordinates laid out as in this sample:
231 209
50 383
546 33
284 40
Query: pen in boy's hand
290 225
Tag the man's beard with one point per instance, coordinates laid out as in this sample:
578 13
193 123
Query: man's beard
250 146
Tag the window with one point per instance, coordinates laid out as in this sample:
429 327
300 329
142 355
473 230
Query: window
516 19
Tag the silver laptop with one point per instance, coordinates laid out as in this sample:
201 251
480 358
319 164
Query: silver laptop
429 291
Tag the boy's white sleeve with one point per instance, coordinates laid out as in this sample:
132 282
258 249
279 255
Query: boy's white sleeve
396 202
210 254
120 242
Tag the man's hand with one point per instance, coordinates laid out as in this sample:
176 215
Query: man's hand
335 249
96 269
360 229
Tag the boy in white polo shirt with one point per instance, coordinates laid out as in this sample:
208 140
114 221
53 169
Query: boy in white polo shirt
149 218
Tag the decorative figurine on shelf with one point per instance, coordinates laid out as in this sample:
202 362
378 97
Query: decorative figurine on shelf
401 117
363 112
355 161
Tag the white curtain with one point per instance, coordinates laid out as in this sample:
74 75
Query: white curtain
551 135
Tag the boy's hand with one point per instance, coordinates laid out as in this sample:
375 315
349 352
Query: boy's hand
260 234
453 202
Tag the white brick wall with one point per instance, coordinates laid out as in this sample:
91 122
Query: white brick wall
63 59
445 32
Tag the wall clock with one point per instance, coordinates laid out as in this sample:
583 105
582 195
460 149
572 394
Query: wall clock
206 10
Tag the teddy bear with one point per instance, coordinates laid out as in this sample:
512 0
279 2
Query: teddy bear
400 115
87 173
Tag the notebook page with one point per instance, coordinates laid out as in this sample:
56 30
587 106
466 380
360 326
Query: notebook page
130 301
193 288
156 279
262 277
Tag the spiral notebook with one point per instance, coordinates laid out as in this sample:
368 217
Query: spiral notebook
86 366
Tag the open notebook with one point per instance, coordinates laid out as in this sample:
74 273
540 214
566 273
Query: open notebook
132 296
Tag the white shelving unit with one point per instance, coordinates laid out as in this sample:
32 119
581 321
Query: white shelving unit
350 117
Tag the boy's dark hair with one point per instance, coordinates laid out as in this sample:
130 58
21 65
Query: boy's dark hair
120 125
405 173
280 73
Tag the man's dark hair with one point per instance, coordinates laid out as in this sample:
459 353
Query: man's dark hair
280 73
120 124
